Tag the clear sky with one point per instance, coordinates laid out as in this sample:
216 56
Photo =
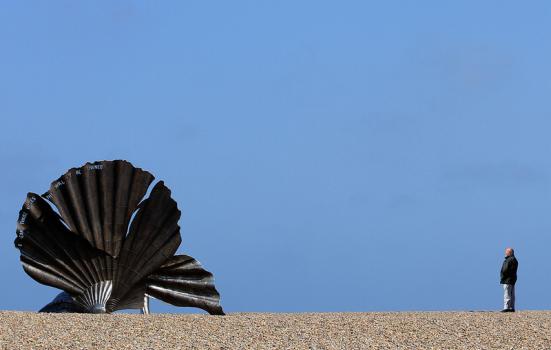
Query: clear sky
326 156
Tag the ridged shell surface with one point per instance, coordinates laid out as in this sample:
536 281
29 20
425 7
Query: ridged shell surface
97 200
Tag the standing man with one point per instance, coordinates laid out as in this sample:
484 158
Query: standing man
508 279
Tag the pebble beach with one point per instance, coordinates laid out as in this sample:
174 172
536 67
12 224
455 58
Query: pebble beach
374 330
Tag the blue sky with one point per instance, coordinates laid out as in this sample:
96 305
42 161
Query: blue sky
326 156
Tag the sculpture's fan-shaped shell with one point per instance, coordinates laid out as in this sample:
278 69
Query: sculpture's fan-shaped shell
89 252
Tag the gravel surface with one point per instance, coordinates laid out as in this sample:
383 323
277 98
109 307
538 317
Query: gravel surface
397 330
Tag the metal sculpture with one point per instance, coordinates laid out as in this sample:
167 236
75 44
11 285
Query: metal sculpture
108 249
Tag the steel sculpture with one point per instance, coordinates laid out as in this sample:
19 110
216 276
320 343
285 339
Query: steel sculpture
108 249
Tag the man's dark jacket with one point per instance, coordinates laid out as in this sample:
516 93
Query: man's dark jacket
509 270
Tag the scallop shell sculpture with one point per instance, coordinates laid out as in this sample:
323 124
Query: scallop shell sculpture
106 247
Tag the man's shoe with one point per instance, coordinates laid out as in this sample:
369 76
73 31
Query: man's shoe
508 310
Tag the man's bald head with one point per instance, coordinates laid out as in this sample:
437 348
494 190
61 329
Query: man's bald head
509 252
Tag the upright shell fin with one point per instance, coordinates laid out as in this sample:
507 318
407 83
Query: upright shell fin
97 200
154 237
